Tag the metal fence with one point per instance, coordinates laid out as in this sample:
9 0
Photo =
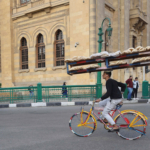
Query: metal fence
18 95
48 93
74 93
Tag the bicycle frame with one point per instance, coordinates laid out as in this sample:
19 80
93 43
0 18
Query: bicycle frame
128 124
91 112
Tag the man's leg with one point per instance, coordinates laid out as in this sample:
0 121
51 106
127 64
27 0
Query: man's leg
136 93
104 102
131 89
110 105
130 92
133 93
32 94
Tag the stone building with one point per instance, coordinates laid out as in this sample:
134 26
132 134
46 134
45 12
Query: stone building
36 37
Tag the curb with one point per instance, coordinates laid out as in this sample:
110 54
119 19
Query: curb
42 104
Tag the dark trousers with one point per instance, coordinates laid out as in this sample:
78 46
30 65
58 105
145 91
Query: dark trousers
135 93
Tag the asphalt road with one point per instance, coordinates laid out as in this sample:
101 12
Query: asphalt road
46 128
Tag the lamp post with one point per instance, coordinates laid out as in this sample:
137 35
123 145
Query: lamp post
109 30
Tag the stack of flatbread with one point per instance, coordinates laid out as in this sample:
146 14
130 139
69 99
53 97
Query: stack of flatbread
128 51
92 66
116 54
82 68
117 63
77 58
140 59
105 54
148 48
136 50
76 68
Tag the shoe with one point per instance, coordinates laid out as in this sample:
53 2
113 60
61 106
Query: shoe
113 130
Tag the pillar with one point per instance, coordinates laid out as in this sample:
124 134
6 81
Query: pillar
6 43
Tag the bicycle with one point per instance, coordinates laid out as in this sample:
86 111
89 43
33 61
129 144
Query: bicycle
132 123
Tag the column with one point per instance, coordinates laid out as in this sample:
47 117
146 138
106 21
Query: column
127 72
6 43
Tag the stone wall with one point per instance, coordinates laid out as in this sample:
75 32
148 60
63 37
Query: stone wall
79 22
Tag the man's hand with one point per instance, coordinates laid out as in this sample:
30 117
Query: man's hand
98 100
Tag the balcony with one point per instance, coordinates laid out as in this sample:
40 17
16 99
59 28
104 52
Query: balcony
138 19
32 6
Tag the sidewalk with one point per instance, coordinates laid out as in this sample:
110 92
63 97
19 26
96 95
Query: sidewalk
52 104
140 100
85 101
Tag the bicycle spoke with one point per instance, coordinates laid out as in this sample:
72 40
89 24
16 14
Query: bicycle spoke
78 118
136 121
133 120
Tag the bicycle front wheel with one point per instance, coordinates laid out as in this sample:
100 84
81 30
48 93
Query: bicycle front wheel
81 126
131 129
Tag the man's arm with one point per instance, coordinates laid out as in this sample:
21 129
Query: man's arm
127 82
123 86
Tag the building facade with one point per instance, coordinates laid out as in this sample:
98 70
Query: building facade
36 36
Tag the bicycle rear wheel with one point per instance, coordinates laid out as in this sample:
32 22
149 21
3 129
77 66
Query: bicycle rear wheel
77 127
130 132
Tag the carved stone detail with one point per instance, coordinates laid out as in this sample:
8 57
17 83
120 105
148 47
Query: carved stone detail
137 20
40 69
30 15
59 67
47 10
24 71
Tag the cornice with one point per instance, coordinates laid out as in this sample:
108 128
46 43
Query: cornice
44 6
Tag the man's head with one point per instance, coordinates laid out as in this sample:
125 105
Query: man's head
106 75
130 77
136 79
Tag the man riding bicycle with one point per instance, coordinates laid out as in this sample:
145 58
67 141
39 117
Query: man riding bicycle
115 98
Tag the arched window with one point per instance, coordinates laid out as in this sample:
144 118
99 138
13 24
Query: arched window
59 49
24 1
24 54
40 53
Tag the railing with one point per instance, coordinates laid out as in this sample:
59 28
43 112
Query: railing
41 93
18 95
74 93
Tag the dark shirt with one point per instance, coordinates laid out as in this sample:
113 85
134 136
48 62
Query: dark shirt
112 89
129 83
